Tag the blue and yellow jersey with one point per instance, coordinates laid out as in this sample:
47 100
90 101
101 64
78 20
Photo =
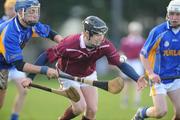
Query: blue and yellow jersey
162 48
13 36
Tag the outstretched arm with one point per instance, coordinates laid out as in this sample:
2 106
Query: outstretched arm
55 36
41 60
151 75
130 72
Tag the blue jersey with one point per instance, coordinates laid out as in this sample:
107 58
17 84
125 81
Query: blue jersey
13 37
162 48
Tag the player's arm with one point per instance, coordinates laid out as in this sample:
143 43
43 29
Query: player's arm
41 60
30 68
45 31
146 64
114 58
148 52
149 71
128 70
55 36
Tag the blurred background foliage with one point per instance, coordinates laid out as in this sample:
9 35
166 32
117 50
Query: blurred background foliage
149 12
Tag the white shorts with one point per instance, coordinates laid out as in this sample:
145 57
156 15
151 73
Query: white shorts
164 88
137 65
66 83
14 74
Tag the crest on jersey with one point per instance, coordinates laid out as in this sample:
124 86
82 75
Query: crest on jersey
166 43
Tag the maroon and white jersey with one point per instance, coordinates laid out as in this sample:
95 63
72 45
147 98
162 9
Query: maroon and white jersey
131 46
77 60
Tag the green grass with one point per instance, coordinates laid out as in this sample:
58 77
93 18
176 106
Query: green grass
40 105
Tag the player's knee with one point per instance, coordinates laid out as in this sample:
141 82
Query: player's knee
177 118
177 115
91 111
80 109
161 113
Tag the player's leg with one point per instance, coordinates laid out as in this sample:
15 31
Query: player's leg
175 98
173 94
16 76
91 98
19 100
3 85
2 97
75 108
159 108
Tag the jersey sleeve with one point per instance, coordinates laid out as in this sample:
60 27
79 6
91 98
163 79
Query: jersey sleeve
112 54
41 30
151 44
12 48
57 51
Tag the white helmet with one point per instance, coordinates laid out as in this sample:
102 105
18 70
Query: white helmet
174 6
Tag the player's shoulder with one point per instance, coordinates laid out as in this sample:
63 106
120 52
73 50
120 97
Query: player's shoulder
72 40
106 41
10 27
160 28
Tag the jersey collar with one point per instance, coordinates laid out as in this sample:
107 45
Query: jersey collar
82 43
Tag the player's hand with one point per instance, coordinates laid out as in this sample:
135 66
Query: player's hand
52 73
141 83
25 82
154 78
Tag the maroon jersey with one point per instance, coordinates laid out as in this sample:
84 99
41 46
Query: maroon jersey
131 46
77 60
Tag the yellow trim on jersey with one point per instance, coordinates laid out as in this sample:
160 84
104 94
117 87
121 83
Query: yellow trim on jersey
34 33
153 91
2 49
152 58
152 54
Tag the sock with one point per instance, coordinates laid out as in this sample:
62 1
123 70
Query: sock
68 114
14 116
144 115
84 118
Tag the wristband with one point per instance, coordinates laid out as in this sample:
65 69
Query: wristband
44 70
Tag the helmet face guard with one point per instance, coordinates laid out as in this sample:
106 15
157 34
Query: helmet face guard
32 15
30 11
